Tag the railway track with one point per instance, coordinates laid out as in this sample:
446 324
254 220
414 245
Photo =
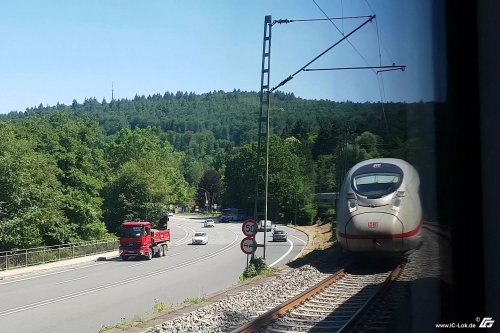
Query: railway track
412 303
336 304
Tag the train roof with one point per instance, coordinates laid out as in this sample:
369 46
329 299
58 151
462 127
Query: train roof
406 167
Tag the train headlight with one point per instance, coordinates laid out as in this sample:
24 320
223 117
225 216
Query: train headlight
353 205
396 204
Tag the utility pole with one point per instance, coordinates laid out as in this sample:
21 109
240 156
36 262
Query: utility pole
262 181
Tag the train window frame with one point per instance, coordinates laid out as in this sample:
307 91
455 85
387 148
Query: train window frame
393 187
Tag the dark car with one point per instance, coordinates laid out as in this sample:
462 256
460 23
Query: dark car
279 235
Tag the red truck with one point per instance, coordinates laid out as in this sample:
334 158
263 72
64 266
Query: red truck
138 239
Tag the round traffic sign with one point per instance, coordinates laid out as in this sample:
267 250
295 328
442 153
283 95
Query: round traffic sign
249 228
248 245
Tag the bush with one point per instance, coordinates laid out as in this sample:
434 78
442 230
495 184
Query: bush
257 266
306 215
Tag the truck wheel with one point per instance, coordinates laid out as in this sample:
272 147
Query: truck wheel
165 249
162 251
150 254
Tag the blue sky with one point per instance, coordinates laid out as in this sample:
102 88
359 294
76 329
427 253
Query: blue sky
59 50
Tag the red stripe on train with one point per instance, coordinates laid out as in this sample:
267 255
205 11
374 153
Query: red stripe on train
391 236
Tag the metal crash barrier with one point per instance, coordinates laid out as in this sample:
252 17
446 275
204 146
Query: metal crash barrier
40 255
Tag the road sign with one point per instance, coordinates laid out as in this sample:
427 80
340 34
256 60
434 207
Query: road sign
248 245
249 228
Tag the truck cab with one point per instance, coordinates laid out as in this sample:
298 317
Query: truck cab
139 239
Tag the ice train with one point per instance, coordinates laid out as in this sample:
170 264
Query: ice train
379 208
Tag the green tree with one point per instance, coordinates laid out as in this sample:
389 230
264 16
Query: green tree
135 144
289 186
76 146
368 144
143 189
212 184
31 212
325 174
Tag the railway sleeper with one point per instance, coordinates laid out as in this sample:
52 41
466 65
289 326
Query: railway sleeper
343 314
335 304
350 307
324 314
364 293
326 319
330 327
327 298
311 330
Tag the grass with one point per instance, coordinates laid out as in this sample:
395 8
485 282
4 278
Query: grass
157 308
321 237
137 321
194 300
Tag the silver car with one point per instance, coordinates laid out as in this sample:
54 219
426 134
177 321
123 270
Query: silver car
279 235
209 223
200 237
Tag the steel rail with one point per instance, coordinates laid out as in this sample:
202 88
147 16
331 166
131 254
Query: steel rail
357 318
266 318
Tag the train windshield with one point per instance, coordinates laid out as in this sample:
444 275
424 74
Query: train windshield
376 185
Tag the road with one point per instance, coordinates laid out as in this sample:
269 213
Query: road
86 297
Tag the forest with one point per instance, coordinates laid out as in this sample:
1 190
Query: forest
74 172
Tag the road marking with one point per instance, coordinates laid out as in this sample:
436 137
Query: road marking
303 247
283 256
53 273
186 236
138 264
80 278
21 308
303 241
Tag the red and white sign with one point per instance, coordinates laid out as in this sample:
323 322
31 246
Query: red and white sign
372 225
249 228
248 245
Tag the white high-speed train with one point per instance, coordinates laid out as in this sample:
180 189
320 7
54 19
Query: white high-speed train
379 208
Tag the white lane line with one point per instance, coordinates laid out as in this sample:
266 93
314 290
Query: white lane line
21 308
283 256
173 255
303 241
303 247
67 281
186 236
54 273
138 264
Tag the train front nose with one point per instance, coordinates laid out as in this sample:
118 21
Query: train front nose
374 231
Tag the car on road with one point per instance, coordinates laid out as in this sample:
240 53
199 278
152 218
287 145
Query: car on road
170 214
209 223
200 237
279 235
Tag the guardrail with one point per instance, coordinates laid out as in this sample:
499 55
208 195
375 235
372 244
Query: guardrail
41 255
